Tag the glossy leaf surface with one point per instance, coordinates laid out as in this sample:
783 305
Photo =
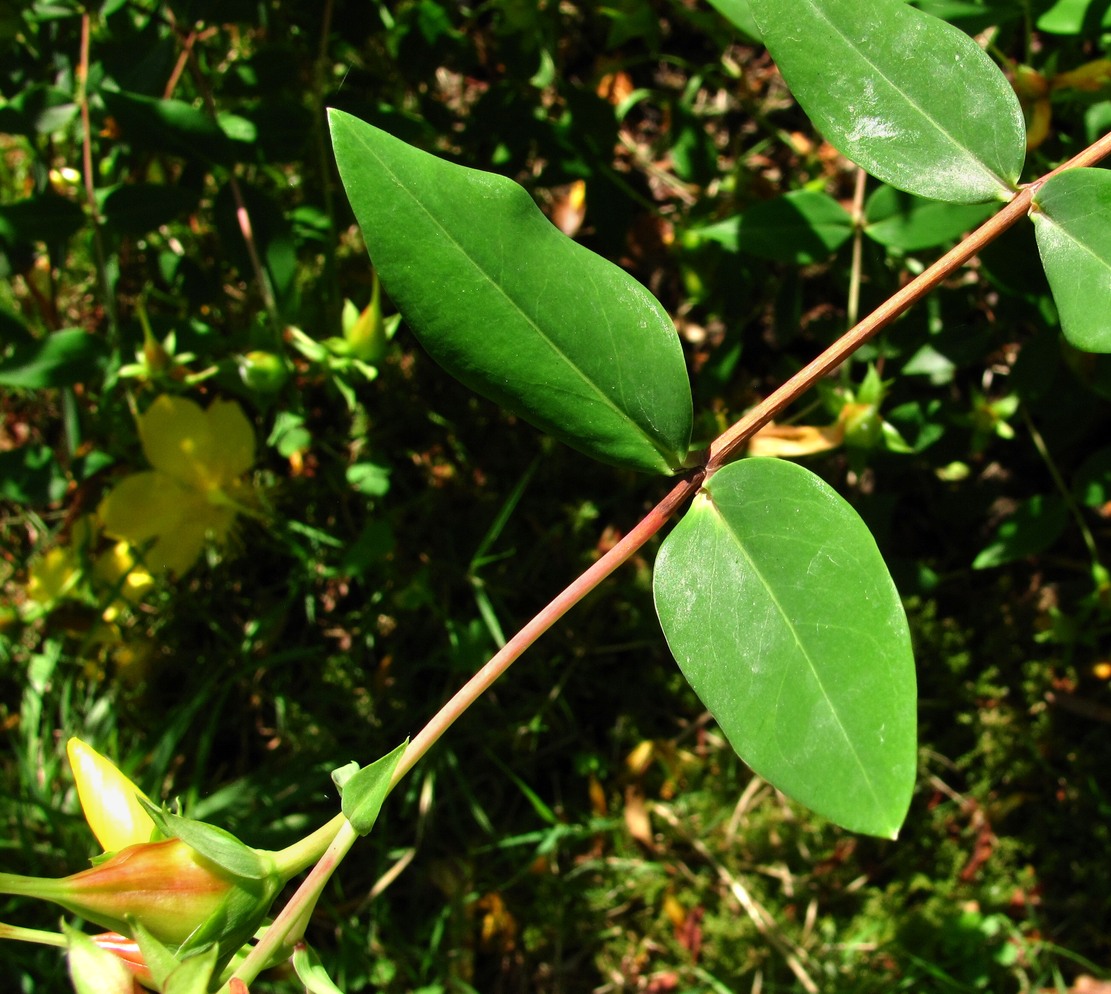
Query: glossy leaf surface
513 308
911 98
782 616
739 14
1072 220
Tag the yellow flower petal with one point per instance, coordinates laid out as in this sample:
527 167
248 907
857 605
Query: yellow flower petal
176 440
117 571
143 506
178 549
791 441
109 799
53 576
204 449
233 441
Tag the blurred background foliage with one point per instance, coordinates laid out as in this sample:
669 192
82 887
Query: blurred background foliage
171 226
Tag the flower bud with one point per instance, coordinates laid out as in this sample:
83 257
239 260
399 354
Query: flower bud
113 805
169 888
127 952
365 331
263 372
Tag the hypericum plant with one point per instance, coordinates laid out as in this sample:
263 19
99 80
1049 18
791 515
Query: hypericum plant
771 592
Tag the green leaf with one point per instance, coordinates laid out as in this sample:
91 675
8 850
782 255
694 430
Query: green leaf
911 98
167 126
31 475
365 791
194 974
1073 17
160 959
908 223
739 14
801 227
45 217
1033 528
781 614
60 359
1092 484
513 308
1072 221
310 971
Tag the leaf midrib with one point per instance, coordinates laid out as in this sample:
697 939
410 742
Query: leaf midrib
740 544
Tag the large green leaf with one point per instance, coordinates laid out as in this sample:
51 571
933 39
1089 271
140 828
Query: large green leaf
782 616
911 98
1072 220
739 14
513 308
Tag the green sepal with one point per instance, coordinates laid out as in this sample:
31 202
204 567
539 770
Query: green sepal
214 843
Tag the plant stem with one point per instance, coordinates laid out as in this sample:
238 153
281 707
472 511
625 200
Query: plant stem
303 853
722 449
90 183
559 606
719 452
729 443
294 915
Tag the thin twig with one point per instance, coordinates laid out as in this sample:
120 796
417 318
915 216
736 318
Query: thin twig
90 185
556 609
728 444
242 215
852 309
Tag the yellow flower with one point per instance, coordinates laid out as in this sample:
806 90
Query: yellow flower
53 576
191 493
118 570
116 575
112 804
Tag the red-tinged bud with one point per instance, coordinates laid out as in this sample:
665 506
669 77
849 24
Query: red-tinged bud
127 951
173 891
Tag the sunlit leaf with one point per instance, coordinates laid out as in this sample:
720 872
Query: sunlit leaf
1072 220
782 616
94 970
911 98
513 308
311 972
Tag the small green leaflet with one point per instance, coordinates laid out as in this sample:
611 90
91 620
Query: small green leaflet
364 791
